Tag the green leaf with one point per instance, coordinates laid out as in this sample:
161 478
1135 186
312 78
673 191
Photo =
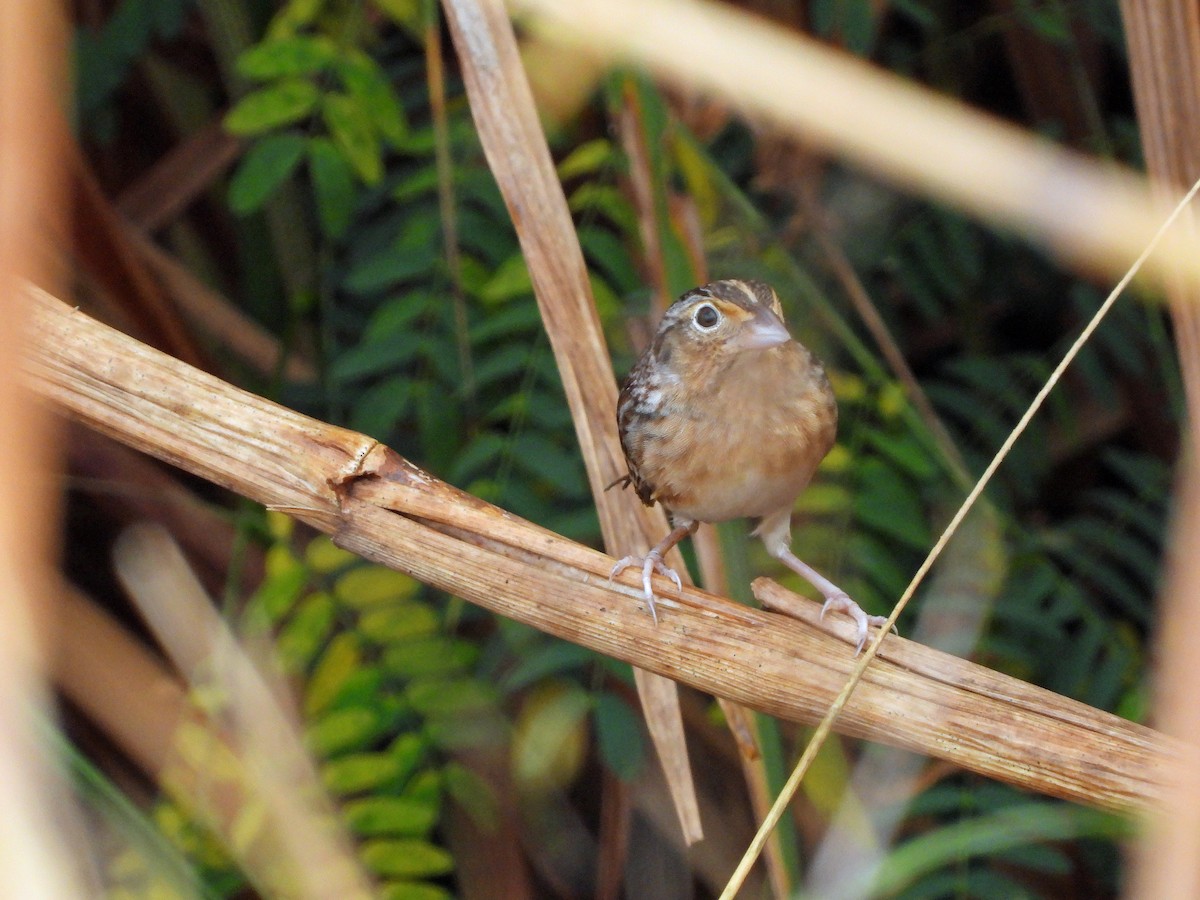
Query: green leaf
268 164
333 185
411 890
1050 21
510 280
287 57
366 82
549 463
607 252
386 269
400 622
425 785
406 858
473 793
306 632
1025 823
340 660
398 315
605 200
280 104
550 658
513 322
323 556
360 772
428 657
619 736
889 504
587 159
406 13
550 736
506 362
343 730
904 451
379 408
374 357
355 135
362 687
276 596
294 15
409 751
450 696
127 31
395 816
858 26
368 585
459 733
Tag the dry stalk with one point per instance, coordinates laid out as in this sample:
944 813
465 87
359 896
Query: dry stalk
39 820
1164 56
381 506
512 138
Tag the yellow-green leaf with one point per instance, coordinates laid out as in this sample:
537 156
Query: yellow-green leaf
586 159
343 730
280 525
428 657
398 622
450 696
351 128
336 665
473 793
324 556
397 816
550 736
406 13
360 772
288 56
412 890
305 633
282 103
368 585
367 83
283 585
406 858
408 750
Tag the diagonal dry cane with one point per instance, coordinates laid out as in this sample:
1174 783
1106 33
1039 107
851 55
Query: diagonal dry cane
516 149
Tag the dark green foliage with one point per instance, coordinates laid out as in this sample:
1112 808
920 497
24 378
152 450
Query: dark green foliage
104 57
439 351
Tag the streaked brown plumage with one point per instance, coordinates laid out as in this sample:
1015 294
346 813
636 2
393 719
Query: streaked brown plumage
724 417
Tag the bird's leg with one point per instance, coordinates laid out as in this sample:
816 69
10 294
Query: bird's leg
775 531
653 562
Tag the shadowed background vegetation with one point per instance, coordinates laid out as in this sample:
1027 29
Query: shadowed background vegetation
309 175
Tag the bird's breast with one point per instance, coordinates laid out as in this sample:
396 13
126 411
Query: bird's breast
751 443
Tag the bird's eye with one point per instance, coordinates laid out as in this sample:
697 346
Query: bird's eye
706 317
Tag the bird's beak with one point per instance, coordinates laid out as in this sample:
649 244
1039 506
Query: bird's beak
765 329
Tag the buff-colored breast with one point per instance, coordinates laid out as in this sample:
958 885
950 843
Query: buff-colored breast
749 441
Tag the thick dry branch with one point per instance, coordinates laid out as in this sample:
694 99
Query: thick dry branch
379 505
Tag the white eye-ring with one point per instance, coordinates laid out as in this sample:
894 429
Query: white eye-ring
706 317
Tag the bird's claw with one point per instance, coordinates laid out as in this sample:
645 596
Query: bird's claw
650 563
843 604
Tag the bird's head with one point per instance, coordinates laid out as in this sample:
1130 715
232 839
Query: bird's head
721 318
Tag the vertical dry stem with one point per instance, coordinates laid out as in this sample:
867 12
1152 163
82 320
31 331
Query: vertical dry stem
1164 53
32 48
512 138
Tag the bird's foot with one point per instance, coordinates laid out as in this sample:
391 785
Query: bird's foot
842 603
650 563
